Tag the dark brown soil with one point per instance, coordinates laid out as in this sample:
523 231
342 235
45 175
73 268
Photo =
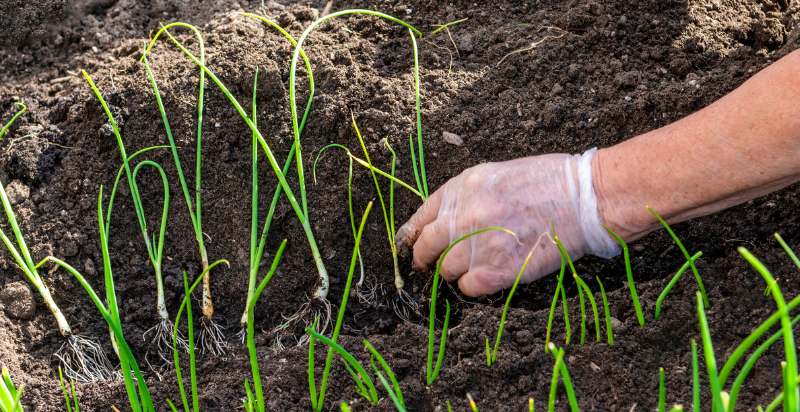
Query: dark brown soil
594 73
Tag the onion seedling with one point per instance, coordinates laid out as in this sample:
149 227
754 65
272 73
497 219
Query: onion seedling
135 385
583 289
365 295
472 405
318 401
531 405
21 109
672 282
791 400
788 250
320 295
211 337
161 333
68 390
662 391
491 354
559 292
751 363
364 385
257 252
710 358
394 391
82 358
685 252
637 307
323 287
432 369
751 339
258 404
606 313
405 300
440 27
560 370
9 394
696 379
186 304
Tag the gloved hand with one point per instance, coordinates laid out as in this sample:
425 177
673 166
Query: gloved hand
524 195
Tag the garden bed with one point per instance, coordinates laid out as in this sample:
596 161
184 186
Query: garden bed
517 78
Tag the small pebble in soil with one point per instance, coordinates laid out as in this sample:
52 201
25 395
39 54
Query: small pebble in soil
17 192
616 323
88 267
18 301
452 138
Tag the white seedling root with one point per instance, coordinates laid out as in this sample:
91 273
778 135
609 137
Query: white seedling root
160 335
313 309
84 360
211 337
404 305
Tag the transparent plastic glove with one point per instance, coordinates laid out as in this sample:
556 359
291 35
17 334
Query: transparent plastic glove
525 195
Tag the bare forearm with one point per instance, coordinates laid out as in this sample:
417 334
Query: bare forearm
744 145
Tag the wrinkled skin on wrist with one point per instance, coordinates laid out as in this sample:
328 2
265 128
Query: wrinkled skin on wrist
527 196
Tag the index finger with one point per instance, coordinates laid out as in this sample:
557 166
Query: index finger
408 233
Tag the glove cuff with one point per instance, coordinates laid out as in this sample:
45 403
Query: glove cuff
598 241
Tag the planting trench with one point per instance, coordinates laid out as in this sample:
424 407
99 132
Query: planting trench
592 74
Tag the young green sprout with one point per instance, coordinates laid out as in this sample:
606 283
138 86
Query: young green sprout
637 307
394 391
21 109
9 394
136 388
560 370
404 301
365 293
788 250
256 403
364 383
211 336
432 368
68 390
257 248
531 405
606 313
186 305
710 358
472 405
491 354
161 333
685 252
791 400
672 282
559 293
293 92
744 347
696 378
82 358
321 292
662 391
583 289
